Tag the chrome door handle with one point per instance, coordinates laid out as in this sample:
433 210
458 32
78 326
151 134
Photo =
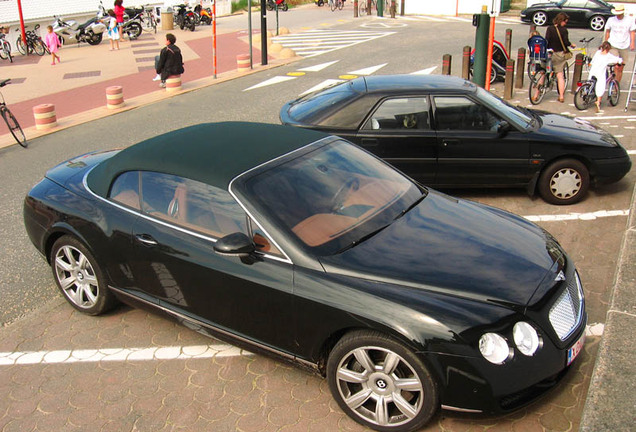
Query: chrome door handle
146 239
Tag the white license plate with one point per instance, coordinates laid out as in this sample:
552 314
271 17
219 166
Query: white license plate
575 350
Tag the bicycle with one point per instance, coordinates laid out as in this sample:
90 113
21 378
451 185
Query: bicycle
148 20
34 43
10 120
535 60
5 48
544 78
585 95
363 6
587 59
336 4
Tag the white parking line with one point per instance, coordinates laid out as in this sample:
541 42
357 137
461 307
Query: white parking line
120 354
577 216
631 152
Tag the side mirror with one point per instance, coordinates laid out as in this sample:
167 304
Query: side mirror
235 244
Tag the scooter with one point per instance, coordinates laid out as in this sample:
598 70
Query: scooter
273 4
184 17
205 15
92 31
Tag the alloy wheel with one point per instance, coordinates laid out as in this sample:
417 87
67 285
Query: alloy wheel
76 277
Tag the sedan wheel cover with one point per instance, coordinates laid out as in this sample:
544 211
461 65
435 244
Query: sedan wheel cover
565 183
76 277
540 18
597 23
380 386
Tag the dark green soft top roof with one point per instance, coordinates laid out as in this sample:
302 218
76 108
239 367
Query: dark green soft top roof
212 153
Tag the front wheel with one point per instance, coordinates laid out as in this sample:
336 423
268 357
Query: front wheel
540 18
584 96
332 4
597 22
21 46
39 47
133 30
381 383
14 126
79 277
285 7
537 87
564 182
613 92
95 39
340 5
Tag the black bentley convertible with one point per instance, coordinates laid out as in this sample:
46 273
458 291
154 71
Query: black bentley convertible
300 244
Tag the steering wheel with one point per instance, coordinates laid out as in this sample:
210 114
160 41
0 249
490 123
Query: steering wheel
352 184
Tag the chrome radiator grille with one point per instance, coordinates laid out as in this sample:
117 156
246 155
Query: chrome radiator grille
567 311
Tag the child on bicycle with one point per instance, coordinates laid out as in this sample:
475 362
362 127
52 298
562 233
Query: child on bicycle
52 43
602 58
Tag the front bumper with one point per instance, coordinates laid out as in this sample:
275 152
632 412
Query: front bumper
608 171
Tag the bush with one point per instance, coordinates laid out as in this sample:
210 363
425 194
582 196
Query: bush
242 4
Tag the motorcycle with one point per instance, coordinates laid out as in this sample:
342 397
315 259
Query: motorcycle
184 17
280 4
92 31
319 2
205 15
132 20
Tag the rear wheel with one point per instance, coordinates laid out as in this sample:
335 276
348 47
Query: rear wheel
14 126
133 30
21 46
79 277
597 22
39 48
95 39
584 96
564 182
537 88
540 18
613 92
381 383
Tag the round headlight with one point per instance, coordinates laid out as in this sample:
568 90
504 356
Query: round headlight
494 348
526 338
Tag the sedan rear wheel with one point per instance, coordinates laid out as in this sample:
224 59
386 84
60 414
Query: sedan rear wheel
79 278
597 23
380 383
564 182
540 18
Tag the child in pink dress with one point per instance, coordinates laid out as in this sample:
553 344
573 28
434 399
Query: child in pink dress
53 43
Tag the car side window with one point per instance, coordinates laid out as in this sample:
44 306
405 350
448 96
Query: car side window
461 113
578 4
400 114
125 189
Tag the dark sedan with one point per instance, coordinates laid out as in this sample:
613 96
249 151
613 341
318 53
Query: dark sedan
303 245
582 13
447 132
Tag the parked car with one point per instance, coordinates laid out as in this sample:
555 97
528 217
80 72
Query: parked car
582 13
303 245
447 132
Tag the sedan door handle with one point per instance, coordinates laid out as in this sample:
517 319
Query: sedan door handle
369 142
146 239
447 142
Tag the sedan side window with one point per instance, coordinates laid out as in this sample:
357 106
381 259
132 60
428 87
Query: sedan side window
125 189
400 114
460 113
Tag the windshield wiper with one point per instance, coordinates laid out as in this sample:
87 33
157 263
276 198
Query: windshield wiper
409 208
361 239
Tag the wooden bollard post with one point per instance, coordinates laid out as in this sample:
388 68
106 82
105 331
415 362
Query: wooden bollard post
446 64
521 61
114 97
466 62
578 71
508 41
392 8
355 8
533 28
45 117
368 7
510 76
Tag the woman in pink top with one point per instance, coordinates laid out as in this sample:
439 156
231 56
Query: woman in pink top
52 43
119 16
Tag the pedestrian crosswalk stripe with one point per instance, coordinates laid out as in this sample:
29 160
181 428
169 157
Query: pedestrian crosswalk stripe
316 42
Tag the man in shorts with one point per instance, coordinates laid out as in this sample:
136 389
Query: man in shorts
620 32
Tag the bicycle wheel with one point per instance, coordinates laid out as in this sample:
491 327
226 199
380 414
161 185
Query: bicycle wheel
613 92
363 8
340 4
21 46
38 47
3 51
584 96
537 88
566 75
14 126
332 5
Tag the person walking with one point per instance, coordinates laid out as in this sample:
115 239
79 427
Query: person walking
169 61
620 32
557 37
598 70
113 30
119 15
52 43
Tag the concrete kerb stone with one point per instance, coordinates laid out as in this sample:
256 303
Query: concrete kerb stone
140 101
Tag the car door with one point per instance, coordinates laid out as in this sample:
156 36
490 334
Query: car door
577 10
175 262
471 151
399 131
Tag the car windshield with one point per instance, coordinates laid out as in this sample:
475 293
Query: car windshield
332 197
512 114
310 108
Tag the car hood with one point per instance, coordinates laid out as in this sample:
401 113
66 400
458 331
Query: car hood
576 130
459 248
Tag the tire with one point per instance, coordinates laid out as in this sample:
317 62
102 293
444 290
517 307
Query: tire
613 92
597 22
340 5
95 39
583 99
363 8
133 30
566 76
540 18
564 182
270 6
493 74
537 90
14 126
333 5
348 377
285 7
3 52
79 278
21 46
39 48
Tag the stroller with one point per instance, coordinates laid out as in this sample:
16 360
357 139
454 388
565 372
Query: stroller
499 58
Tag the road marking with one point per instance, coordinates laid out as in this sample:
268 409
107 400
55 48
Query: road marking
577 216
318 68
368 71
631 152
427 71
628 118
275 80
316 42
119 354
322 85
